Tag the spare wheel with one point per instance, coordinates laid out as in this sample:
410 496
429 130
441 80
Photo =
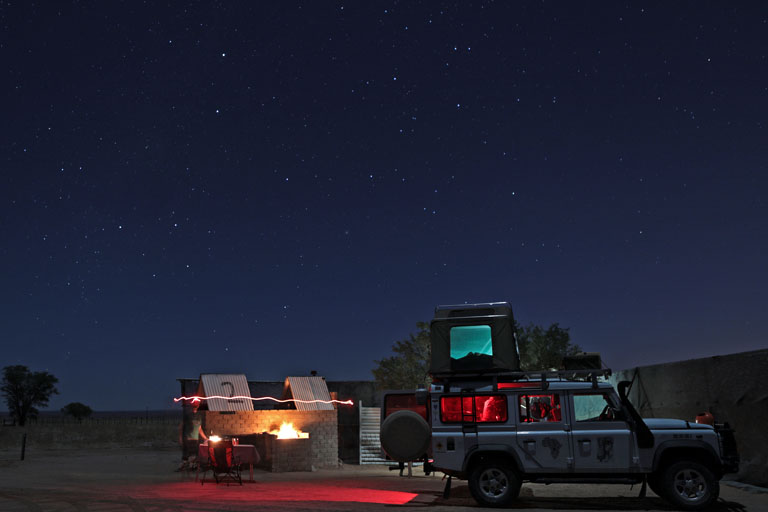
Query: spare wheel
405 436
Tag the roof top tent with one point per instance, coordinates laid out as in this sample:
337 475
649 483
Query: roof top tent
474 338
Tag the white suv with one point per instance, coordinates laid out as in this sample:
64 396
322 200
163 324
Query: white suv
497 429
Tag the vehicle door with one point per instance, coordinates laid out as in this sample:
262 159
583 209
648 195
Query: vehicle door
459 411
602 439
542 433
481 417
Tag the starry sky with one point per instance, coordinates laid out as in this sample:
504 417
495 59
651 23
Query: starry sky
271 188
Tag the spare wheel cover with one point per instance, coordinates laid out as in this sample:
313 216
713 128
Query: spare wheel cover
405 436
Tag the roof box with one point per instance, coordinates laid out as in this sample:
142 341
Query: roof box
474 338
583 361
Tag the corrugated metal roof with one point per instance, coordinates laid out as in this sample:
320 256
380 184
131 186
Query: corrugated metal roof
222 384
309 388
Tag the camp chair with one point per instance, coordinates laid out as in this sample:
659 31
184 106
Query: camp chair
222 462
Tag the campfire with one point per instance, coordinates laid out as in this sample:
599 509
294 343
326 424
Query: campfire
287 431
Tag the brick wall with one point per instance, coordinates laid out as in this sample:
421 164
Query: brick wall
321 425
291 455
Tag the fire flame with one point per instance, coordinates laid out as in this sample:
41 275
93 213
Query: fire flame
287 431
214 439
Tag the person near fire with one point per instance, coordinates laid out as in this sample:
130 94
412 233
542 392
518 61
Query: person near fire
191 433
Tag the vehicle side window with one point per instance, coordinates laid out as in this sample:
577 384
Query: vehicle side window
592 407
468 409
540 408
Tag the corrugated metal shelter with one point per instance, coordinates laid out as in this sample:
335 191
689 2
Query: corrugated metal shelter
308 388
228 385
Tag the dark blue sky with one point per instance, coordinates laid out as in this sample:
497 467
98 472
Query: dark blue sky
273 188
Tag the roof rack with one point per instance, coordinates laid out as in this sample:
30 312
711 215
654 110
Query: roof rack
544 376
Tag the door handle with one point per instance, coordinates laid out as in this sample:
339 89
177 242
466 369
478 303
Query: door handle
529 447
585 447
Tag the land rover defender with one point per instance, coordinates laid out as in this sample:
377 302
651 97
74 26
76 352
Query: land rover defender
486 421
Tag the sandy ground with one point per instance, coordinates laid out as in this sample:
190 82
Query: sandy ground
144 481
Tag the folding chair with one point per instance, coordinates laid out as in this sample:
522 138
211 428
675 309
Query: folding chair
222 462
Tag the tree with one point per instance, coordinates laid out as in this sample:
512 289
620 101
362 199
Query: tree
408 368
24 390
77 410
541 348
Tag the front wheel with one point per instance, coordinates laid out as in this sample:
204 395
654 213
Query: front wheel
494 484
689 485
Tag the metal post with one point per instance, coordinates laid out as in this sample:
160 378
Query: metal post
23 445
360 432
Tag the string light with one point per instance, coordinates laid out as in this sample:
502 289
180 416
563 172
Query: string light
287 400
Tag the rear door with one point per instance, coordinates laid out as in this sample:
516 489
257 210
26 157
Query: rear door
601 442
403 401
459 412
453 430
466 420
394 401
542 435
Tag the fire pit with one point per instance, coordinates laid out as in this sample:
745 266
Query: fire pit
291 450
283 449
315 447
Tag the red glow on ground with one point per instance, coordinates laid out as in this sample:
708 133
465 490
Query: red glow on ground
261 492
295 400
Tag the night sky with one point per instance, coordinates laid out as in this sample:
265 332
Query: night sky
272 188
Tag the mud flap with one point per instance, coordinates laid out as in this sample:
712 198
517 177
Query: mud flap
644 487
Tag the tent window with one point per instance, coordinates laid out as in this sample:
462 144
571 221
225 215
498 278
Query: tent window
471 346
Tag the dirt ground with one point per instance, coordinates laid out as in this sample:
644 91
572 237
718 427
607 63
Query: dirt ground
144 481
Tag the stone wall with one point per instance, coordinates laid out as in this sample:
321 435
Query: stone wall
292 455
321 425
734 388
119 433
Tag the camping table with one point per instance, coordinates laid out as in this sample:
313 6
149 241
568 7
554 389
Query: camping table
246 453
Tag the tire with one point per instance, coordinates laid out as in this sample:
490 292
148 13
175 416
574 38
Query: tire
494 484
405 436
689 485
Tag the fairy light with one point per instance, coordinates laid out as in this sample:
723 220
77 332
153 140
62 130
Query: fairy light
194 399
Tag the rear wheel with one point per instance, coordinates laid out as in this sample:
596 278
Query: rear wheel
494 484
689 485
